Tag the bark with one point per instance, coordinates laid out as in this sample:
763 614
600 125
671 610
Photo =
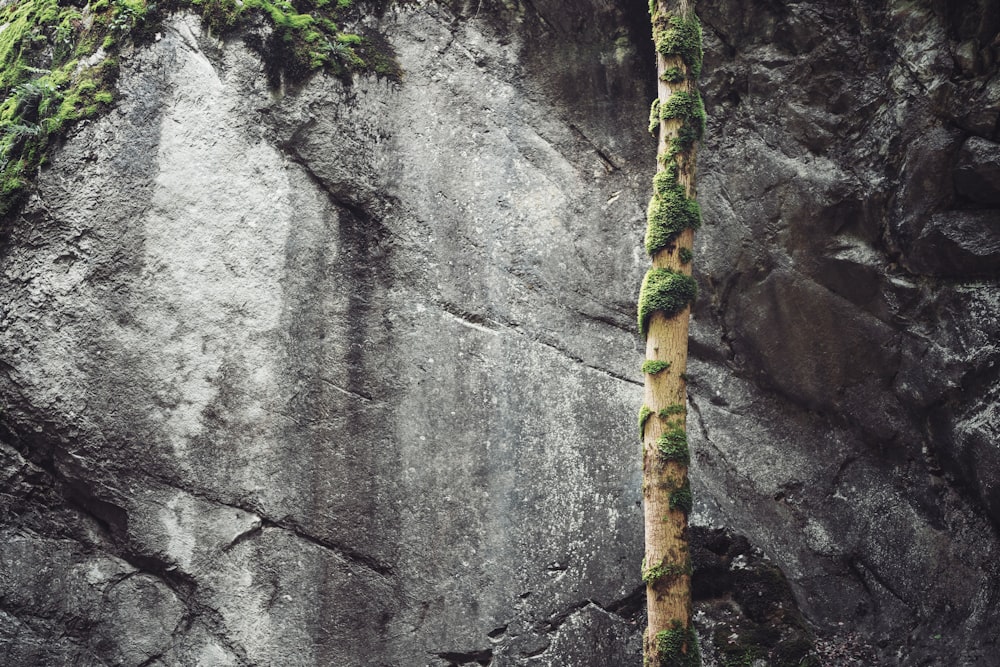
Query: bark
666 566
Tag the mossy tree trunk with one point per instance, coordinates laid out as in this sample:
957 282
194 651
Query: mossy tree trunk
677 119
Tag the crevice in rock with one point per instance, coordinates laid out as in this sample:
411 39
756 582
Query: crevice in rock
457 658
534 653
481 322
863 573
844 466
535 640
359 210
245 536
287 524
556 620
701 421
573 357
114 542
183 585
346 553
723 38
473 320
497 633
621 325
609 164
347 392
629 606
719 311
152 659
731 469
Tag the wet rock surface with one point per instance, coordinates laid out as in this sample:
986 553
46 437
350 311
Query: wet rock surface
347 374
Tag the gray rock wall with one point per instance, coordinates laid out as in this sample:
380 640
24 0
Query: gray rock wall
347 375
334 375
846 338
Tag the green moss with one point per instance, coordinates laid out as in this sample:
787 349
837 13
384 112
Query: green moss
681 498
39 104
45 89
685 255
738 655
681 37
667 216
665 291
654 116
672 75
664 570
687 107
644 414
306 36
678 647
673 446
672 410
665 179
655 366
670 211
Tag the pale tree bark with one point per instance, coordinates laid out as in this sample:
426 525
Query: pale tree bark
677 118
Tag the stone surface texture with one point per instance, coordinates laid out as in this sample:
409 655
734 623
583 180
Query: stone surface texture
346 373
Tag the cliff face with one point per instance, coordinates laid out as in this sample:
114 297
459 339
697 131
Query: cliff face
332 375
847 334
347 375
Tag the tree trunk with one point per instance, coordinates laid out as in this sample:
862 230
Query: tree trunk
678 118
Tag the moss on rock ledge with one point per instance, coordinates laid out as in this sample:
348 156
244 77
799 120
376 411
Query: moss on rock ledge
59 61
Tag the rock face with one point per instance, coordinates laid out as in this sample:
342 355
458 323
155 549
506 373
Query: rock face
334 375
847 333
347 374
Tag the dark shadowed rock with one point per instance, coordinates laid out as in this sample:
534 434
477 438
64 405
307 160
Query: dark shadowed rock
977 174
959 243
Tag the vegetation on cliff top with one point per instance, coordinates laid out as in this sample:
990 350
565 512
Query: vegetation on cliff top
59 60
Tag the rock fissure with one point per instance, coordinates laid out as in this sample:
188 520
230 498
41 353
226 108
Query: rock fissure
624 324
287 524
609 163
475 320
557 619
575 358
459 658
366 561
245 536
730 469
181 584
495 326
360 211
347 392
864 574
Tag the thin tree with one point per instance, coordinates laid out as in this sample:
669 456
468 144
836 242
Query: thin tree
677 119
